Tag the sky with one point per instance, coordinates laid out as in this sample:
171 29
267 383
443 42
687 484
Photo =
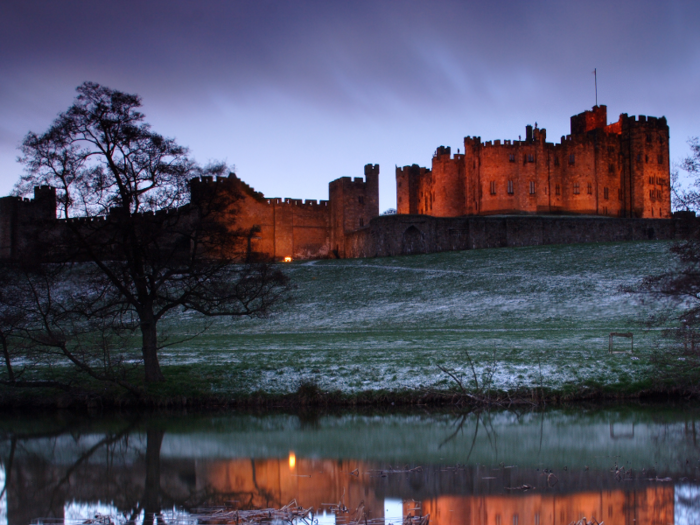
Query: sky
296 93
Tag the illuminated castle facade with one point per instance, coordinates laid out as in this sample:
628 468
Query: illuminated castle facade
616 170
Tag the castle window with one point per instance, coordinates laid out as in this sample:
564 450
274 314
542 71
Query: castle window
531 158
557 190
648 137
556 161
651 194
361 200
639 157
661 159
572 159
646 158
493 188
524 159
532 188
362 222
590 189
611 169
511 158
606 193
510 187
576 188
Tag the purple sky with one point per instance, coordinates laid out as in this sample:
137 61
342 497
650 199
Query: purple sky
297 93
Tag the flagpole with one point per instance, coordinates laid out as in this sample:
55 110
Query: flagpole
595 76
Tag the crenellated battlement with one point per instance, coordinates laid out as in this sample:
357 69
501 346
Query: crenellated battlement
299 203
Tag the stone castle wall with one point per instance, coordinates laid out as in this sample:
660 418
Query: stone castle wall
393 235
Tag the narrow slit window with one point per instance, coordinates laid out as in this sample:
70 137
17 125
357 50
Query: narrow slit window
606 193
532 188
572 159
493 188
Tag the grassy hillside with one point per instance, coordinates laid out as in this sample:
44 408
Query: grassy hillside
540 316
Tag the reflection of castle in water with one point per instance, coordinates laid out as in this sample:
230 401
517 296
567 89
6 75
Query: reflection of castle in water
437 491
452 496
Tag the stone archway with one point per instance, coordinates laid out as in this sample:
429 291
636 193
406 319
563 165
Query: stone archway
413 241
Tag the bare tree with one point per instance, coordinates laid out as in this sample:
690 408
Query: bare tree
124 191
687 199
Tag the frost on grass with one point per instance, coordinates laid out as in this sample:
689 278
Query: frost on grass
383 324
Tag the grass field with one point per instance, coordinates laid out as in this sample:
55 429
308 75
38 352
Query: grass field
540 316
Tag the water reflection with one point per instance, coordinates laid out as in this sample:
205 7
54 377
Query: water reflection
620 466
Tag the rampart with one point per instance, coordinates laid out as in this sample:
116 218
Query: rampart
392 235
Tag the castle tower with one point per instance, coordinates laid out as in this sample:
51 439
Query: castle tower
445 197
644 148
353 203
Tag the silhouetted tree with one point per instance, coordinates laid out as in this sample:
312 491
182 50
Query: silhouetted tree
149 251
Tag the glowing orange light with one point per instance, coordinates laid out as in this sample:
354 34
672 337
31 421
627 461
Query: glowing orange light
287 259
292 460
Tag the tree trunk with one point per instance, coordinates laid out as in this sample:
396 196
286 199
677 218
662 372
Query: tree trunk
151 496
8 361
150 350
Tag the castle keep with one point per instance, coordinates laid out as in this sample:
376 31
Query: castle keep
616 170
614 177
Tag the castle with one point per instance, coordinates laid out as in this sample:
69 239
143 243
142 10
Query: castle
617 170
466 200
